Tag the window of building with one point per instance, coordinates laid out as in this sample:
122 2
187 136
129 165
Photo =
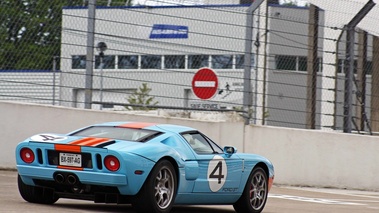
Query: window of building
198 61
240 61
127 62
151 62
368 67
78 62
222 61
320 64
174 61
297 63
341 66
284 62
179 62
109 62
302 65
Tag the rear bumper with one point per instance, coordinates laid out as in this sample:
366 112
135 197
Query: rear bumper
28 173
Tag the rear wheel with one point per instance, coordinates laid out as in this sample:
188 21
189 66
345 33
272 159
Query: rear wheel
254 196
158 192
35 194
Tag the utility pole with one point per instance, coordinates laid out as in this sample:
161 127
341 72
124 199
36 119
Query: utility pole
375 86
247 89
312 66
361 80
349 65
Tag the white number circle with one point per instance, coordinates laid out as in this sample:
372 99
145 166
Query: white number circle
217 173
47 138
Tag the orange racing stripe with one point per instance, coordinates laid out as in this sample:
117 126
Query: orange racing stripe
89 141
137 125
80 141
95 142
67 148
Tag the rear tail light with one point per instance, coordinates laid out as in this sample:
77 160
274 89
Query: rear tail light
111 163
27 155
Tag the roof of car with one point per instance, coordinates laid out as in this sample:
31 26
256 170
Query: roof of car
147 125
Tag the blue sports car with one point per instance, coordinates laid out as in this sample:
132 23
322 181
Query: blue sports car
151 166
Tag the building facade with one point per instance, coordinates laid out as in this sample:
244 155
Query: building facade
165 46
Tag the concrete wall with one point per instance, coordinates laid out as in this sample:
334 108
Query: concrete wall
301 157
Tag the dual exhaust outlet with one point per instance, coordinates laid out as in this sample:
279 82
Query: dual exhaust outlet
66 178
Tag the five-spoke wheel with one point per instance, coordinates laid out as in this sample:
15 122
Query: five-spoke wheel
158 193
255 193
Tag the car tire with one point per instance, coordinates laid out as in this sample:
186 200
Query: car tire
34 194
254 196
159 190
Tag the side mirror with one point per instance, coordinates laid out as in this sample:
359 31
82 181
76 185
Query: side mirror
230 150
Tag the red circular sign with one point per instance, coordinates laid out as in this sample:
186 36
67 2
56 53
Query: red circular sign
205 83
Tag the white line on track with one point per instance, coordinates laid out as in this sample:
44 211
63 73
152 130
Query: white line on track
313 200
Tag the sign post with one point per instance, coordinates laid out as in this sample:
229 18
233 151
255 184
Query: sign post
205 83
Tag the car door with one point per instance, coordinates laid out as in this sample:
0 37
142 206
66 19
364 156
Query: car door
218 172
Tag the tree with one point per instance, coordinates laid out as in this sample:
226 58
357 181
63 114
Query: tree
30 31
141 97
290 3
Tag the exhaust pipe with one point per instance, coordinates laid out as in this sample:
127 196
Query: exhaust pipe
59 178
71 179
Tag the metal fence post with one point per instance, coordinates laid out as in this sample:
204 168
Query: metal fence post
54 76
247 90
89 57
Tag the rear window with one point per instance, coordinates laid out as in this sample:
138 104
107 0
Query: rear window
119 133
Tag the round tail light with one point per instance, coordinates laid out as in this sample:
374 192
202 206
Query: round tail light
27 155
111 163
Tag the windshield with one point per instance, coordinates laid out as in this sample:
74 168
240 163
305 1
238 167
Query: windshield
201 144
120 133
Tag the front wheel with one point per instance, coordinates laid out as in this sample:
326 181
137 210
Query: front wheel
159 191
254 196
34 194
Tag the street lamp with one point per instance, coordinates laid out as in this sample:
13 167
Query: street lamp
101 47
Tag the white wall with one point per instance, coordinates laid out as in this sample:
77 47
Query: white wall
301 157
318 158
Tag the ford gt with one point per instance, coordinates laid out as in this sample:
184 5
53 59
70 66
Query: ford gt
151 166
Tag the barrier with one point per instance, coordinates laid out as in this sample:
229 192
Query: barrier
301 157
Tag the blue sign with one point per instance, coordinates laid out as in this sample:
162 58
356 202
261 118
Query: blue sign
161 31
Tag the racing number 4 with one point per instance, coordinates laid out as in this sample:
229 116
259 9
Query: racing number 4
217 172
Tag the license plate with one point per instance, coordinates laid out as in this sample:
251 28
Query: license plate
69 159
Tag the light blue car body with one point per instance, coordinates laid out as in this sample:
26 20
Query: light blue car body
194 182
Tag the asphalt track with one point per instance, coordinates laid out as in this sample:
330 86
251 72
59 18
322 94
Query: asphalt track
281 200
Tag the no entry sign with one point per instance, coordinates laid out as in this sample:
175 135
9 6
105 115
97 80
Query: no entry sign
205 83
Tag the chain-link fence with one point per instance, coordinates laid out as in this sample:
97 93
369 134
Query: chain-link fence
153 53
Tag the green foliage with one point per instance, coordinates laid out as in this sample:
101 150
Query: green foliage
30 31
141 97
114 3
290 3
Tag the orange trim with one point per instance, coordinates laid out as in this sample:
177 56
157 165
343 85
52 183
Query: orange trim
67 148
89 141
95 142
83 140
140 125
270 182
70 168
